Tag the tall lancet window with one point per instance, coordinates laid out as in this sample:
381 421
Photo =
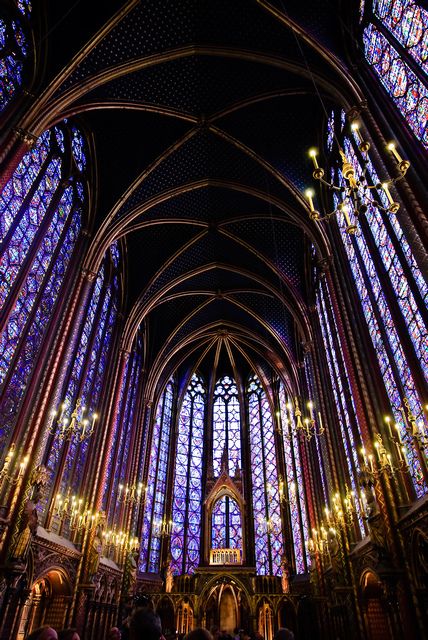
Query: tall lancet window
395 41
16 48
226 426
154 519
294 482
265 489
82 388
393 294
41 210
226 527
125 425
187 499
344 401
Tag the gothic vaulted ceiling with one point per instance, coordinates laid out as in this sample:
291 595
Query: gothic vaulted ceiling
201 113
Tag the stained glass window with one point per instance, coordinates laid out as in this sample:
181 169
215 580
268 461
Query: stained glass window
265 487
115 254
40 220
226 527
396 47
85 381
408 23
383 235
294 482
389 251
124 427
154 519
322 471
344 401
187 497
14 51
24 6
226 426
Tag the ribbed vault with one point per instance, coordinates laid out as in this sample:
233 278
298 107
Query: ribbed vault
201 114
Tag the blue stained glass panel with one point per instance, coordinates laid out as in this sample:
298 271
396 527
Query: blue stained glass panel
17 187
26 299
78 147
407 91
19 244
387 371
187 494
156 484
294 481
408 23
20 38
341 392
14 47
74 380
36 331
25 7
226 426
40 221
265 483
2 33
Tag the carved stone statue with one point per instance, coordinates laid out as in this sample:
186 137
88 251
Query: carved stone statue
285 575
27 529
167 575
132 572
224 461
238 472
337 571
94 553
29 520
169 580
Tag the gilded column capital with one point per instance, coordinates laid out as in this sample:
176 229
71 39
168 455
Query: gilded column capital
89 275
355 111
26 136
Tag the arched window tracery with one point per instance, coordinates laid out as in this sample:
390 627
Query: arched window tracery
41 209
187 495
265 482
226 425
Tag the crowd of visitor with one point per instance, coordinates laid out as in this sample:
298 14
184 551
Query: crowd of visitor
145 624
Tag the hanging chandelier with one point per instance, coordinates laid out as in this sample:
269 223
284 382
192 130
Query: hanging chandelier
307 425
354 192
74 424
162 528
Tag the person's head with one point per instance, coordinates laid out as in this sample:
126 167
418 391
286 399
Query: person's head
145 625
114 634
284 634
43 633
68 634
199 634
